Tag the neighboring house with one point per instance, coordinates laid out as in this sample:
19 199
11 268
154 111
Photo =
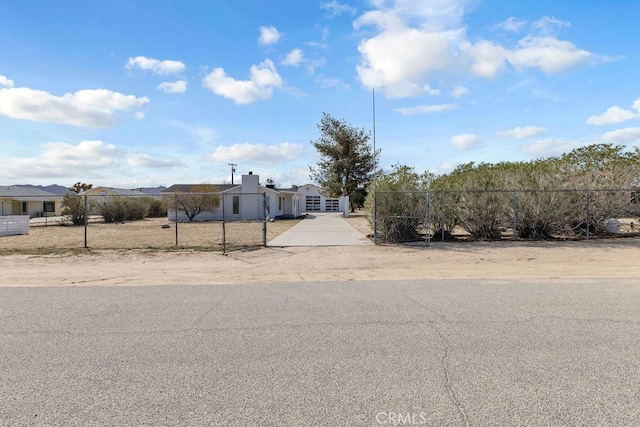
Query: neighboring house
244 201
100 195
28 200
315 201
110 191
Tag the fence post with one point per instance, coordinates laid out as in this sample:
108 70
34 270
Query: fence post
515 215
264 219
375 215
224 222
175 213
442 219
588 215
86 219
427 221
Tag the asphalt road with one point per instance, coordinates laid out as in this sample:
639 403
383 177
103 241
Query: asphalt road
456 352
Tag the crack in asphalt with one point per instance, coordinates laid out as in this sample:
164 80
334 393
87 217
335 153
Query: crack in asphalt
445 359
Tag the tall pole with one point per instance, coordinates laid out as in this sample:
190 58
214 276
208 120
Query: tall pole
375 175
233 169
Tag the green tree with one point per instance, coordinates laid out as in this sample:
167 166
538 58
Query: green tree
347 161
200 198
79 187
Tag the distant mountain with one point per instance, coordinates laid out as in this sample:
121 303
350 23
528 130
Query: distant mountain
53 189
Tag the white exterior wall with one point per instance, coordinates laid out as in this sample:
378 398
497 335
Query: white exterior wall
314 191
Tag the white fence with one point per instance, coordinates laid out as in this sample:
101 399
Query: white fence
14 224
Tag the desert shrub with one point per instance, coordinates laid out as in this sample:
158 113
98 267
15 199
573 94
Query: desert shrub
120 209
73 207
155 207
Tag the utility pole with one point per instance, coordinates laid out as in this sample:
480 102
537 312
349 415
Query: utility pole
233 169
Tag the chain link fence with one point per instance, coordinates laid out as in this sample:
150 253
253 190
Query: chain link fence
209 221
422 216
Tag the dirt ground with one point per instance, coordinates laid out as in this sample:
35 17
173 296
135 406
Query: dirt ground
614 258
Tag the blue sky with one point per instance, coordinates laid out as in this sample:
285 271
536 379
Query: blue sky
143 93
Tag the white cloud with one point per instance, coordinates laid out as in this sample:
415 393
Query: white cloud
331 82
179 86
5 82
139 115
512 24
156 66
464 142
337 9
521 132
259 153
293 58
268 36
550 147
92 108
459 92
425 109
548 54
615 115
415 40
144 160
548 24
446 167
59 159
264 78
622 136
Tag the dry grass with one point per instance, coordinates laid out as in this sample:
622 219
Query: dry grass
147 233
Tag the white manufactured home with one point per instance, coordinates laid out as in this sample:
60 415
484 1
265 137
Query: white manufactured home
244 202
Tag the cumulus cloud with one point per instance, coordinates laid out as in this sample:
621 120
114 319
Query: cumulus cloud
269 36
156 66
293 58
263 79
512 24
93 108
144 160
58 159
521 132
464 142
259 153
459 91
550 147
622 136
5 82
425 109
615 115
415 40
548 54
179 86
337 9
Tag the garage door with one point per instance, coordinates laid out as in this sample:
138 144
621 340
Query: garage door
332 205
313 203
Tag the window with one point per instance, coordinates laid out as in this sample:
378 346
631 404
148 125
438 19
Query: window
313 203
332 205
280 200
236 205
24 207
48 206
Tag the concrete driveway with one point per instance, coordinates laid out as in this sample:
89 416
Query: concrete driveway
321 229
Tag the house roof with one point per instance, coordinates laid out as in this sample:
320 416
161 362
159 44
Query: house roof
117 191
187 187
26 193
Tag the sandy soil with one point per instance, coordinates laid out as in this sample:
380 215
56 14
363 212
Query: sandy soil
615 258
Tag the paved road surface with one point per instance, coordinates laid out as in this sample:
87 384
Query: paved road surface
457 352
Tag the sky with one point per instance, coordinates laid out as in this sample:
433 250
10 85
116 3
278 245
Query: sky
144 93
